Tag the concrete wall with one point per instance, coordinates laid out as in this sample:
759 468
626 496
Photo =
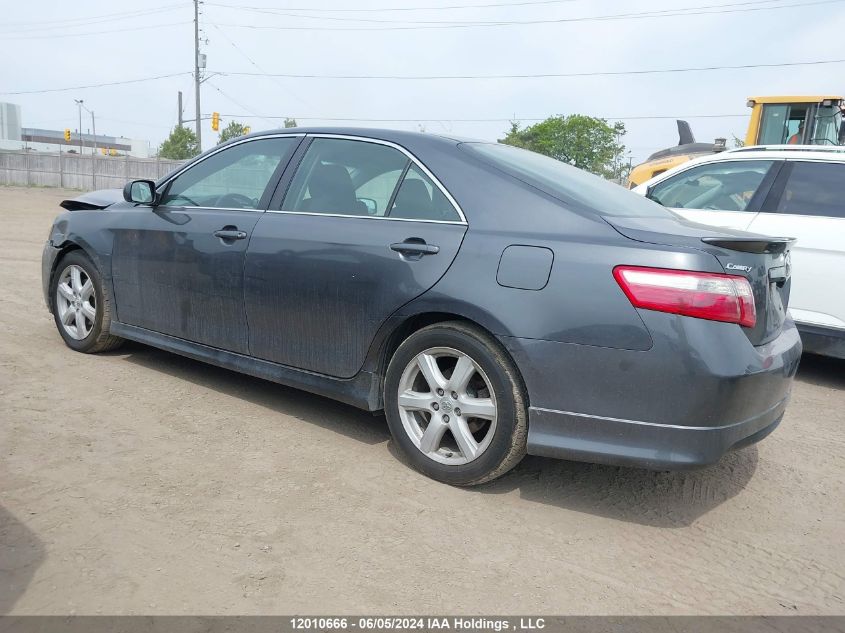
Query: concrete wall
78 172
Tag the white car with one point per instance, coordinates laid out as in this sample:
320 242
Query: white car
787 191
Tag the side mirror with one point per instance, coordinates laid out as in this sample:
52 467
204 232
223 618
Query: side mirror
140 191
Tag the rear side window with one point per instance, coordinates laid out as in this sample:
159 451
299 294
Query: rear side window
727 186
815 189
419 198
376 193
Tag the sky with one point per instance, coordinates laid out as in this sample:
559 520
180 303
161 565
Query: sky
49 45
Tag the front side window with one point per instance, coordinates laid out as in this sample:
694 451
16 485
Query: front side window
233 178
727 186
345 177
815 189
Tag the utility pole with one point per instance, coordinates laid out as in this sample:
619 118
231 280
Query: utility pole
197 70
79 106
94 154
94 130
180 108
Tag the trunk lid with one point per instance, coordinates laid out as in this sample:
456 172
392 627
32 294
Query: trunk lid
764 261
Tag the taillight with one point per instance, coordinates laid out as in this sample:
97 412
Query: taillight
710 296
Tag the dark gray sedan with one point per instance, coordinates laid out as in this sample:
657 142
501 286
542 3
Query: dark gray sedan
490 300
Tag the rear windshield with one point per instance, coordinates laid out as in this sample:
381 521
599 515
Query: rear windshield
566 182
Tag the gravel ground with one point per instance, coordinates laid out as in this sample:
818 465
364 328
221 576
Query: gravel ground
141 482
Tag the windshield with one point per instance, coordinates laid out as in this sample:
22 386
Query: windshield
565 182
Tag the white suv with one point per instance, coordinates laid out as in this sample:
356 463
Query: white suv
787 191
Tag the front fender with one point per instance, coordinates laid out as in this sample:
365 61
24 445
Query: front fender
84 230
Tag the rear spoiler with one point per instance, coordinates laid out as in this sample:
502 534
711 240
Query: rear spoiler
751 244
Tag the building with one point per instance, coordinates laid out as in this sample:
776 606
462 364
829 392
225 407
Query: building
50 140
15 137
10 121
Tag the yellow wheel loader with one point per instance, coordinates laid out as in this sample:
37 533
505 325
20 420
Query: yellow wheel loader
788 120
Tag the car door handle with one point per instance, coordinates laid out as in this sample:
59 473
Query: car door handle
418 248
230 234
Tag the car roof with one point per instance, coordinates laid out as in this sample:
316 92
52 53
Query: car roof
830 154
823 151
399 137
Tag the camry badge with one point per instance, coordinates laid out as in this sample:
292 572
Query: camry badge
731 266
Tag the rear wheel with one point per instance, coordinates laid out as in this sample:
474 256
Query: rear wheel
81 307
455 404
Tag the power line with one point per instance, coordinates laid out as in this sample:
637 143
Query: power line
607 73
105 17
99 85
160 126
374 10
109 32
432 77
237 103
424 8
678 11
418 26
260 69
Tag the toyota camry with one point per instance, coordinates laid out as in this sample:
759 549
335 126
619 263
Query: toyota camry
491 301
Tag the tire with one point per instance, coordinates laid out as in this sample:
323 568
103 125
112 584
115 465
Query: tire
439 439
77 302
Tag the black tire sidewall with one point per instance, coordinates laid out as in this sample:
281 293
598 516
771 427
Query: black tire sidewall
83 261
503 385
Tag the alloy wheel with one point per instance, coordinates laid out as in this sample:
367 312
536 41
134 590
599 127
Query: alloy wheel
447 406
76 302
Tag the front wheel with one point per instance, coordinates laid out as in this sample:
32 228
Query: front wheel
455 404
81 306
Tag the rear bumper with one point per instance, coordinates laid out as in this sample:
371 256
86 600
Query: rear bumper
701 391
822 340
584 438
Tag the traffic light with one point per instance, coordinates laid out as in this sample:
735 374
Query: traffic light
215 121
247 129
67 135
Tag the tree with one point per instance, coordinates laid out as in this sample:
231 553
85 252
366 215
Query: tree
290 122
586 142
180 145
233 130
